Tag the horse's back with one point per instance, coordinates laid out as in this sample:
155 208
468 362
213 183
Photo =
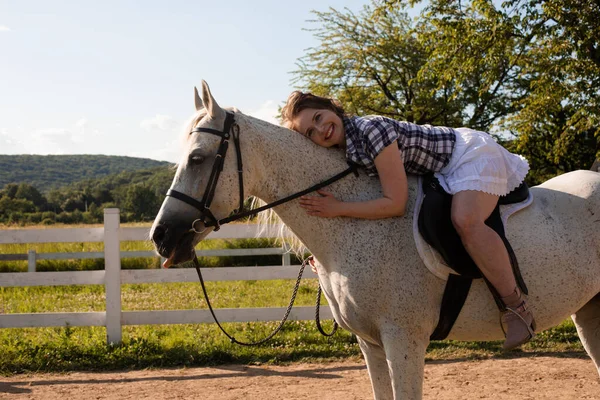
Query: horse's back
557 242
581 183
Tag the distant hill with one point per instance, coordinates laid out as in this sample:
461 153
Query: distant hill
54 171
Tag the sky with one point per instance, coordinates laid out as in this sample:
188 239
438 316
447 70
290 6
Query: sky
116 77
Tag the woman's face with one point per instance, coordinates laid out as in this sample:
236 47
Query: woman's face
324 127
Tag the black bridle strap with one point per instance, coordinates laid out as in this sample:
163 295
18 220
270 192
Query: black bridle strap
213 180
351 169
235 132
185 198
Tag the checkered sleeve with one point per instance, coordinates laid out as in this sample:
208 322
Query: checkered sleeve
378 134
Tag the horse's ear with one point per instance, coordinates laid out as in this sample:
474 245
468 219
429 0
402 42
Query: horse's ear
214 110
198 100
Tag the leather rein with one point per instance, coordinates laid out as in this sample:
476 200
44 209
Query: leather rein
232 130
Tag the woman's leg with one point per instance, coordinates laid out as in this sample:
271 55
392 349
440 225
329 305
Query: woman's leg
470 209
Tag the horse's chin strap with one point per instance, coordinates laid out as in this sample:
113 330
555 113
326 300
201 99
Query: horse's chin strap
206 216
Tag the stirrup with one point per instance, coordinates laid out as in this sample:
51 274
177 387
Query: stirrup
530 327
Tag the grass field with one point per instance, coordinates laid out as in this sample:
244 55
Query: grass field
85 348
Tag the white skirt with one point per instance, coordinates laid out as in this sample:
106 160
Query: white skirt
479 163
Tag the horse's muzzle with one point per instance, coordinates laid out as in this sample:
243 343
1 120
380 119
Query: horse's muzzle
172 242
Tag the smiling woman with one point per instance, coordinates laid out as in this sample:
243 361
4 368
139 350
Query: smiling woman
468 164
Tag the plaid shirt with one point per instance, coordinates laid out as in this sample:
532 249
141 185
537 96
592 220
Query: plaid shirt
424 148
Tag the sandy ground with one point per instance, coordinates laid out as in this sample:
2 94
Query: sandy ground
540 377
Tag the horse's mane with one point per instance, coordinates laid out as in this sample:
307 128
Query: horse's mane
266 220
269 218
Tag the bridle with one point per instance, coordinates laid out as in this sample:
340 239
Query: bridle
232 129
207 218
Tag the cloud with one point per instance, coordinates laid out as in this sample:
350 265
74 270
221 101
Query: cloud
169 151
4 28
159 122
50 141
81 123
9 143
267 112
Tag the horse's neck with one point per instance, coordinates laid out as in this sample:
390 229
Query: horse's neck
284 163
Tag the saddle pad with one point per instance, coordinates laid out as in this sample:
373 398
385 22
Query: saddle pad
431 258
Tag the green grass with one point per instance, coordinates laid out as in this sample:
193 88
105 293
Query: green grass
85 348
137 262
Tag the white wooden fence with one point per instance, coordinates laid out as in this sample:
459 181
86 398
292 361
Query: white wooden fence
112 277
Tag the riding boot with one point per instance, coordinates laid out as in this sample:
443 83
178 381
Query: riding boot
518 319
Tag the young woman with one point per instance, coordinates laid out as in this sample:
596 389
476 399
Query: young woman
469 164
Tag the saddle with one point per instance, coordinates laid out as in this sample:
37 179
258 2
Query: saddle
437 230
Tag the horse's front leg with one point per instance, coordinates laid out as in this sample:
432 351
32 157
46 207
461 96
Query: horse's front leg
378 370
405 354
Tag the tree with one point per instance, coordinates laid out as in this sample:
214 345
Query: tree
141 202
541 61
10 189
371 62
9 206
561 115
28 192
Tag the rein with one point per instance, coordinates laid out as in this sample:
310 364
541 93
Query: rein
285 316
231 129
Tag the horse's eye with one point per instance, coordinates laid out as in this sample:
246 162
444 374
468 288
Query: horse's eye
196 159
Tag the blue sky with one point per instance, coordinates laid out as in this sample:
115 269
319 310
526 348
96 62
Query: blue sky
117 77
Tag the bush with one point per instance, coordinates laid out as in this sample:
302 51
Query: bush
16 217
49 215
89 218
64 218
34 218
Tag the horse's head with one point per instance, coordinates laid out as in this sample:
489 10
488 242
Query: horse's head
205 187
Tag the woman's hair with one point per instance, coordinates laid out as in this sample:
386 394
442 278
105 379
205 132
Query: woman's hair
298 101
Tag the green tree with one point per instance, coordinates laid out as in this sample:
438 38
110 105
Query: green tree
28 192
558 127
533 64
73 202
10 189
371 61
8 206
141 202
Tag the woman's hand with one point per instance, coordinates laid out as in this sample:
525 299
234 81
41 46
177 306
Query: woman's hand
313 266
326 206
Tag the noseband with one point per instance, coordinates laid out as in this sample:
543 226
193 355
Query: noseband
232 129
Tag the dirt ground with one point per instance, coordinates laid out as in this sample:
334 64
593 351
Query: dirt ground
532 377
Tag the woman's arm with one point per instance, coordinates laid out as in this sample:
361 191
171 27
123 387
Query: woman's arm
395 193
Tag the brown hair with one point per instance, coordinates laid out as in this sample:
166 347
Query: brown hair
298 101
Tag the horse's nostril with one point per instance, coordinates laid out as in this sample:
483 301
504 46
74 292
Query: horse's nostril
159 234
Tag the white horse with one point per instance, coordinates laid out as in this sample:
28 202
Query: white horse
371 274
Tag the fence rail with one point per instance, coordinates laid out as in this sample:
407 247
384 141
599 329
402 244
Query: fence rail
112 277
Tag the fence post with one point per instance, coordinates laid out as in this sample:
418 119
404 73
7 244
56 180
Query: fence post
31 257
112 277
